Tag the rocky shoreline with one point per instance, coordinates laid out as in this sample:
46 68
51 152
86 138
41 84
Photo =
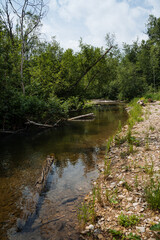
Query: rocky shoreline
121 204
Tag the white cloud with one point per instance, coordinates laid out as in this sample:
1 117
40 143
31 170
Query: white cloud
155 7
93 19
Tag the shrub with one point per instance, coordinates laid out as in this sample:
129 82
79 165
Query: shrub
127 221
152 193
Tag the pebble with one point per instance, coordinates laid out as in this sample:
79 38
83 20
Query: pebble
129 212
121 196
120 183
130 199
141 229
113 185
90 227
135 204
141 210
85 232
100 236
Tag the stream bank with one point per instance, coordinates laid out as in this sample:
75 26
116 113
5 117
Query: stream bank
125 200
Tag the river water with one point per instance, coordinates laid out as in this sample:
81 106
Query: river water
77 146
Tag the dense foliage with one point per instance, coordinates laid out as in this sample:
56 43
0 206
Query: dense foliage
55 81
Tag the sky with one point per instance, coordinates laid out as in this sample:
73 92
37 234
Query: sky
91 20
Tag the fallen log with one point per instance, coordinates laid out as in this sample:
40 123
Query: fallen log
38 124
29 122
45 170
88 115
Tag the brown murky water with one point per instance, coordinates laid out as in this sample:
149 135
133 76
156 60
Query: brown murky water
77 147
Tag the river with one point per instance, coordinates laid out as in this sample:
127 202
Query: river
77 146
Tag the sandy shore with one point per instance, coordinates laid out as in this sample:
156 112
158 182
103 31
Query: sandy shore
120 188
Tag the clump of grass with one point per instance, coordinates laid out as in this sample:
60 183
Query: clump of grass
129 136
147 142
124 154
127 168
83 214
116 234
98 195
86 213
131 139
156 229
136 181
149 169
128 221
107 167
119 140
121 236
151 128
131 148
109 144
135 113
112 197
152 194
127 186
107 194
133 237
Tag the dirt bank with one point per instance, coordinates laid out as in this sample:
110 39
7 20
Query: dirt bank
130 173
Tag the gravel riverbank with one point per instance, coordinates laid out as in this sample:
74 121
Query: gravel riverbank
124 207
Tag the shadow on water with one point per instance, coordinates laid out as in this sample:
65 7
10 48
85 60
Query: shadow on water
77 147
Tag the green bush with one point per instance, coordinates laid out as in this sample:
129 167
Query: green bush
152 194
127 221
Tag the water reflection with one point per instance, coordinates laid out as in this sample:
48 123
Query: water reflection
77 147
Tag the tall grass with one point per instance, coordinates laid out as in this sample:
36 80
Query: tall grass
135 113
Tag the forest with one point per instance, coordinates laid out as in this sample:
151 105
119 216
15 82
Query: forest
43 82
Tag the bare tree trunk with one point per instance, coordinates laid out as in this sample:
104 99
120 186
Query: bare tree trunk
29 15
22 51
